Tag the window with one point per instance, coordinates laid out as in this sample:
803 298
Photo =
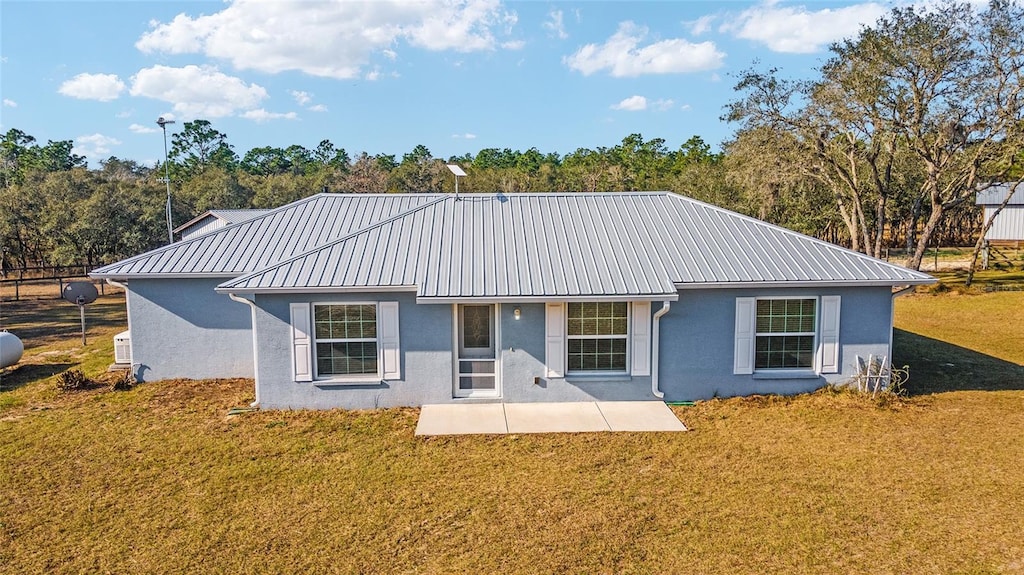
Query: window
597 334
784 333
346 339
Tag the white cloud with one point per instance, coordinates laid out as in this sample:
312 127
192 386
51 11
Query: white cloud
514 45
466 136
663 104
94 146
140 129
262 115
301 98
102 87
125 113
373 76
795 29
631 104
329 39
701 25
10 103
685 107
197 91
622 55
317 108
555 26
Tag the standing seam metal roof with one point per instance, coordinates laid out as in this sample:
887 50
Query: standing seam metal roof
639 244
267 239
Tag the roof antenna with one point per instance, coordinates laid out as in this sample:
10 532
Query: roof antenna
455 169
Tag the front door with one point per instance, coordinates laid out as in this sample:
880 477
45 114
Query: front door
476 374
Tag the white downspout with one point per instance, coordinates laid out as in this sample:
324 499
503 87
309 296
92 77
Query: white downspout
255 350
892 315
656 344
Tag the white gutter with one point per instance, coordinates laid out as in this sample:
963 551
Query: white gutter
892 314
255 350
656 344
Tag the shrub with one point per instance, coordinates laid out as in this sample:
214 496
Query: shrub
73 380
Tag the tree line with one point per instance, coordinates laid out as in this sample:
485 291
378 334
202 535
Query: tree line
884 149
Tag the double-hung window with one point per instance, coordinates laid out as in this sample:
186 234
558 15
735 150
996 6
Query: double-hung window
597 336
785 331
787 334
345 337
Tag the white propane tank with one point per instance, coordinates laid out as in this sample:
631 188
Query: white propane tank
11 349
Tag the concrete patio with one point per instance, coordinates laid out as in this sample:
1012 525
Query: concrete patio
567 417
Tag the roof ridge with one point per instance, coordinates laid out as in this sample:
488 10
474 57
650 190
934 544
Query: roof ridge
327 245
798 235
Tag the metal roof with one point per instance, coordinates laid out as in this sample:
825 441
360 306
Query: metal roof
266 239
996 193
226 216
570 245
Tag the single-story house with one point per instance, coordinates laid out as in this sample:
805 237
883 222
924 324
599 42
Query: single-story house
374 300
211 220
1008 226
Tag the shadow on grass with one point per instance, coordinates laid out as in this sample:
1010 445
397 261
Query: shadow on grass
25 374
937 366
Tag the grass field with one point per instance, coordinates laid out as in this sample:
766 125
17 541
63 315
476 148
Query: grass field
160 480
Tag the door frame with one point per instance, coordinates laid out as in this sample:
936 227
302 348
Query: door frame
456 345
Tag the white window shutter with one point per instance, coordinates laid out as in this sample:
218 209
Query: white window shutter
554 337
387 328
302 343
830 333
641 352
743 351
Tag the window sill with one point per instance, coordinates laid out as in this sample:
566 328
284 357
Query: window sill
786 374
597 377
348 382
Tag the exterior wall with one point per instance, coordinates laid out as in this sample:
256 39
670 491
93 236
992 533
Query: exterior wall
696 360
182 328
697 340
426 339
1008 225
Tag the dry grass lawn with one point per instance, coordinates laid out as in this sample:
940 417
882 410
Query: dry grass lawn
160 480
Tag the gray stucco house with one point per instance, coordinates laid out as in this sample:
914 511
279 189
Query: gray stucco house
364 300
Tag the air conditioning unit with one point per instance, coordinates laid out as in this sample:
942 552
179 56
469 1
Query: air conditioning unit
123 348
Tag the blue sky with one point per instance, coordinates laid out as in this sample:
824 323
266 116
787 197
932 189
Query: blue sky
455 75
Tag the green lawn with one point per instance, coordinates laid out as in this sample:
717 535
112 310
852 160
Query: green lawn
160 479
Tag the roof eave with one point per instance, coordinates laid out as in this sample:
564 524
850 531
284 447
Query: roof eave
806 284
314 289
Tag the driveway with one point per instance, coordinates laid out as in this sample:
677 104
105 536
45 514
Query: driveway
567 417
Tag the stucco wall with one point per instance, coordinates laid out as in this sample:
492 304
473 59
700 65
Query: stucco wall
427 360
696 353
182 328
697 342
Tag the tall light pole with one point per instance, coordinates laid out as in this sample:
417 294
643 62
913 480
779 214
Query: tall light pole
167 177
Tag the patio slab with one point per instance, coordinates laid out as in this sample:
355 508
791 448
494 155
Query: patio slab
639 416
455 419
554 417
567 417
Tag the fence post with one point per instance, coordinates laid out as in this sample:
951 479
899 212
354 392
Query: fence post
17 290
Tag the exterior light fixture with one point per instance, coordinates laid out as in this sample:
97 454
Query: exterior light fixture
517 313
167 178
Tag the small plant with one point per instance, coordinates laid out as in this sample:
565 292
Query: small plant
73 380
124 382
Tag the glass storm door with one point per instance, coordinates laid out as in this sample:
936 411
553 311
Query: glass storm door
476 374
